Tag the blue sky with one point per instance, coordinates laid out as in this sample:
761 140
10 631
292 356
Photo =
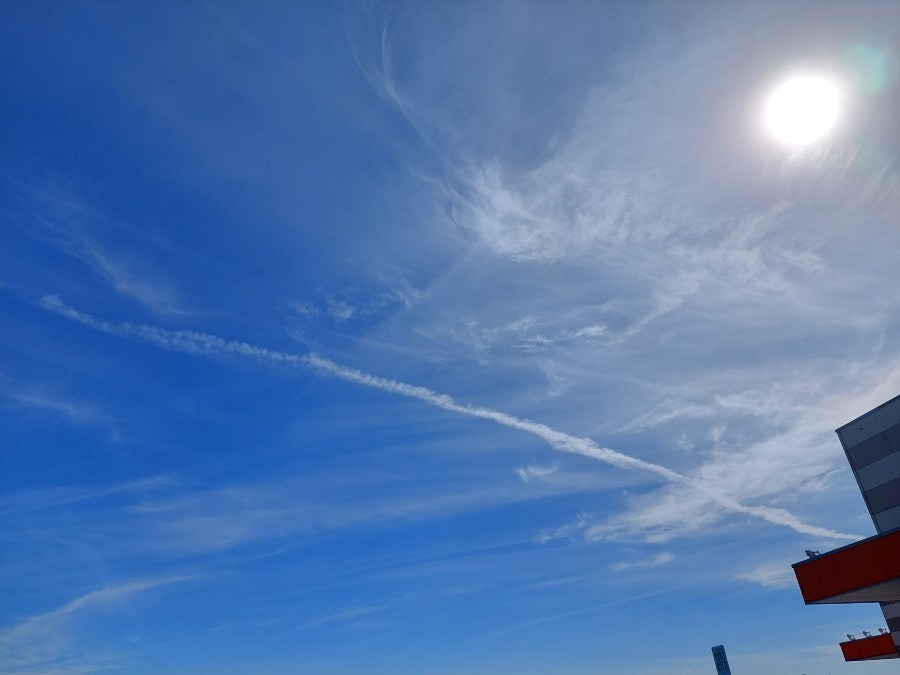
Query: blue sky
477 337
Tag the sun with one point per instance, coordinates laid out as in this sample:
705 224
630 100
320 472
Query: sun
802 109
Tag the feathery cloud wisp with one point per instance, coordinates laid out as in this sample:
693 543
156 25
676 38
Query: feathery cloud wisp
44 638
655 561
771 575
526 473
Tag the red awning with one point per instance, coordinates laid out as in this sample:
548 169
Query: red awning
867 571
872 648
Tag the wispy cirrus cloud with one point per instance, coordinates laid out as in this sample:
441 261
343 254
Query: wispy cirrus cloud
771 574
619 198
392 292
42 499
121 275
68 224
344 616
47 642
526 473
182 520
71 409
796 456
653 561
570 530
202 344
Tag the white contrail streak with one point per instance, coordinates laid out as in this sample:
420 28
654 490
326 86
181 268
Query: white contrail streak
203 344
192 342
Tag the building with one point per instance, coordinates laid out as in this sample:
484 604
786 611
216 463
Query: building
721 660
867 570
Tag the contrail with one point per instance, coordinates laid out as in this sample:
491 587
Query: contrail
203 344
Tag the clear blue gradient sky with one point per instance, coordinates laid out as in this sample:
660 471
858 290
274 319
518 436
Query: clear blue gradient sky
436 337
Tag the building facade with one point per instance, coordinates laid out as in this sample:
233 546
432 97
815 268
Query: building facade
867 570
721 660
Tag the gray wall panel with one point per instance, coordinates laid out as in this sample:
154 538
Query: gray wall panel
888 520
876 422
893 436
878 473
884 497
870 450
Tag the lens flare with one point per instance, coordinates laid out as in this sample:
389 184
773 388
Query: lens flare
802 109
869 67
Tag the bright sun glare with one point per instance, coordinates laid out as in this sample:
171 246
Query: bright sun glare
802 109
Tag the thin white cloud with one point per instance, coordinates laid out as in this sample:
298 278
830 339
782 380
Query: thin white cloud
50 401
770 575
794 457
305 308
41 641
526 473
343 616
107 595
52 498
341 310
75 411
154 294
66 223
583 610
568 531
653 561
188 522
203 344
673 512
349 304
